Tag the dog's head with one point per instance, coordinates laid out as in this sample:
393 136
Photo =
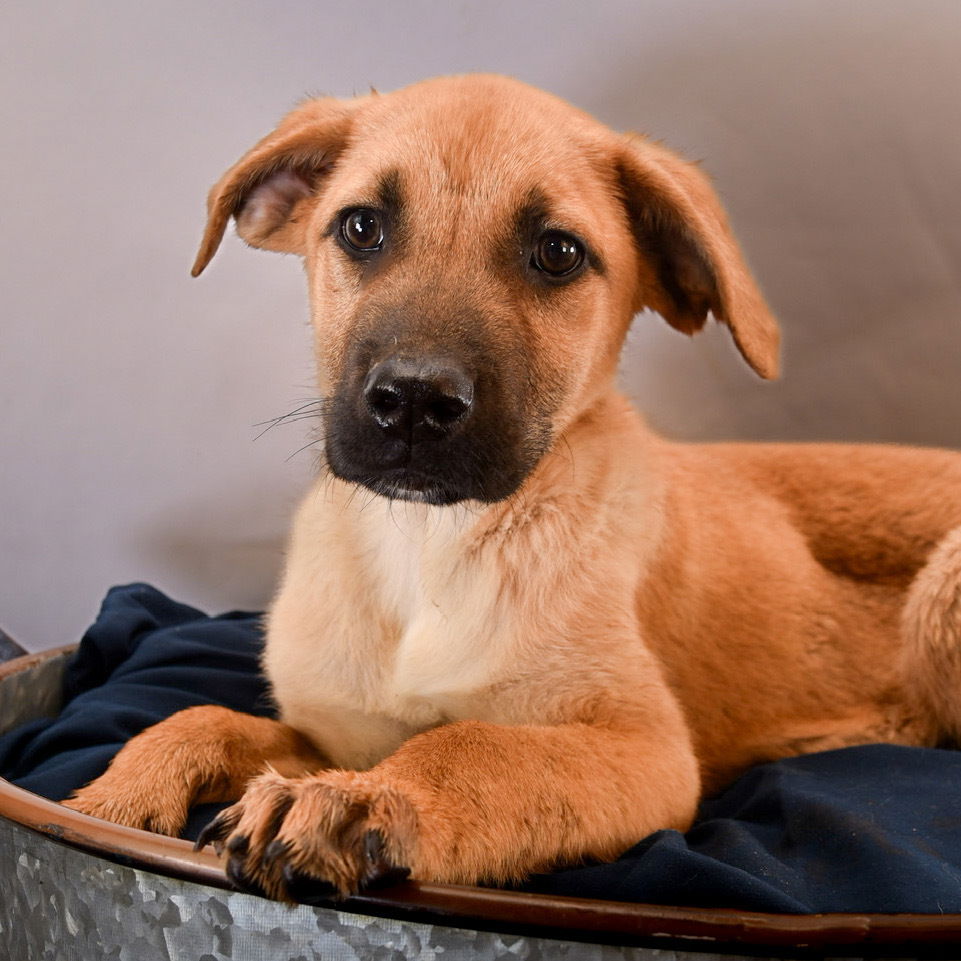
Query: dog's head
476 250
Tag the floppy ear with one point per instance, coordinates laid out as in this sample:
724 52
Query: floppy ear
697 265
269 189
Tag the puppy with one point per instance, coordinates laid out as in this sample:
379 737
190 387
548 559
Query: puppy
516 628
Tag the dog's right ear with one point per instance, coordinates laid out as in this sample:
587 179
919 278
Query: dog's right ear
269 189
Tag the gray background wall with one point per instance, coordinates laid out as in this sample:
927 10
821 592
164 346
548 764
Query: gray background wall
130 393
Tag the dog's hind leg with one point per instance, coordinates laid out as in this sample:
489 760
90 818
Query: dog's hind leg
931 626
202 754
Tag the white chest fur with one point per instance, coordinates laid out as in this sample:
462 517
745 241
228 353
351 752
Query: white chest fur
442 596
388 622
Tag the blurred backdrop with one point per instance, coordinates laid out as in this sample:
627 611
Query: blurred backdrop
131 394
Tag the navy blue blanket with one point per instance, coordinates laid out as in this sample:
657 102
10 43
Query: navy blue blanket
869 829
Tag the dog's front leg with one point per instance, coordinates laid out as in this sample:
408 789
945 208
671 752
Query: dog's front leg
202 754
467 802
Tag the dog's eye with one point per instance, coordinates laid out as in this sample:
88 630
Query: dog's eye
557 254
362 229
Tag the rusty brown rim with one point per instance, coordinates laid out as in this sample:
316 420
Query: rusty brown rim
518 912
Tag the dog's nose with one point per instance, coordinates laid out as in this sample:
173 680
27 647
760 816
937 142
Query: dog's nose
428 396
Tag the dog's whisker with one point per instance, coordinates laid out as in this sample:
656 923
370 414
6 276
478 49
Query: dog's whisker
312 410
300 450
293 418
356 490
318 402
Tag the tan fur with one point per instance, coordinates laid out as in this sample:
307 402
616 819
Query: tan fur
503 687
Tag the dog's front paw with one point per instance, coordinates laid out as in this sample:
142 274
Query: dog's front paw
332 834
134 802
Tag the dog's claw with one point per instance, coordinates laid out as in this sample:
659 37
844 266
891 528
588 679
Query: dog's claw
234 869
214 833
238 845
305 889
276 849
380 871
374 847
385 877
205 837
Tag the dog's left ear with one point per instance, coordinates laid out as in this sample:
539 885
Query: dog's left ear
686 241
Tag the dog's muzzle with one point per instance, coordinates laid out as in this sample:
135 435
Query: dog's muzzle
435 426
406 427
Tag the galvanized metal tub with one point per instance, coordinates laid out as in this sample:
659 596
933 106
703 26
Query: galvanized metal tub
74 889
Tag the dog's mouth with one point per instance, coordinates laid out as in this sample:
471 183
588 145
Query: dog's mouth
438 473
403 484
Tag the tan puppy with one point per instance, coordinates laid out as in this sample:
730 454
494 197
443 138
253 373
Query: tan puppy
516 628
